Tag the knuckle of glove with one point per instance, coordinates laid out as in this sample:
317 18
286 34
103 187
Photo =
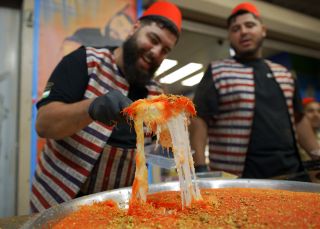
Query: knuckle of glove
107 108
125 102
102 110
121 100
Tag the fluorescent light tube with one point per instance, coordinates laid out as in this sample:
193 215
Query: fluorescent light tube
165 66
181 73
193 80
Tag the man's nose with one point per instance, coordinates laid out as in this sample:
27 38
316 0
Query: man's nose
243 29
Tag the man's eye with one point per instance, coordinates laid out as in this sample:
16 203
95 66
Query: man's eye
154 40
166 51
250 25
235 29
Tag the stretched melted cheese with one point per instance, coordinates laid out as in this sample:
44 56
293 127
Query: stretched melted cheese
167 116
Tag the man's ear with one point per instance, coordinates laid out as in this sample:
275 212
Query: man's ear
134 29
264 31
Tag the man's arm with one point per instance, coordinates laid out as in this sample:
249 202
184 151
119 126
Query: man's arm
57 119
198 140
62 110
307 138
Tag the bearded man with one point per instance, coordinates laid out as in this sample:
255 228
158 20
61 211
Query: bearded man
89 148
250 109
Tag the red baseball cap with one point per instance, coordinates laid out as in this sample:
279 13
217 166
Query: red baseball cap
167 10
246 6
307 100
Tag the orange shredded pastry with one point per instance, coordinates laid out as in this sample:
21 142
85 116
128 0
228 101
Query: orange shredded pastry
220 208
166 116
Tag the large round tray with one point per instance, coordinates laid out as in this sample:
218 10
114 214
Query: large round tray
122 196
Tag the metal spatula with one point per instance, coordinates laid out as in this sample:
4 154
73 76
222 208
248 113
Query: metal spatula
159 156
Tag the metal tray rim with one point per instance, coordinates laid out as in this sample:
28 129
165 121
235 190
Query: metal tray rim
63 209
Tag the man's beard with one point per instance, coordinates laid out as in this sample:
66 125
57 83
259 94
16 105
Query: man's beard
249 53
131 55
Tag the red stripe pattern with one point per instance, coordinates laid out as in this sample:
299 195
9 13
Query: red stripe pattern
114 170
229 133
66 164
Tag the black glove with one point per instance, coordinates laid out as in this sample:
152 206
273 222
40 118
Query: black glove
107 108
201 168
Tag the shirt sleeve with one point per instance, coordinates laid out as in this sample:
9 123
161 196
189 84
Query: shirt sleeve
206 96
68 80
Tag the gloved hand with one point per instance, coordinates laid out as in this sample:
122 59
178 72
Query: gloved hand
201 168
107 108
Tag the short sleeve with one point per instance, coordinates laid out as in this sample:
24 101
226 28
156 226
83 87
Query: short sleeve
68 80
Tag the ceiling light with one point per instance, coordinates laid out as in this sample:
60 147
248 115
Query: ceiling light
193 80
165 66
181 73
